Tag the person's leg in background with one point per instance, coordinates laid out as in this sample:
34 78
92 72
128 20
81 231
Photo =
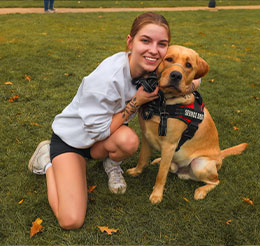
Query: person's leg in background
52 5
46 5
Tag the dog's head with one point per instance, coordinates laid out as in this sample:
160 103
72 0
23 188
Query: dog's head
179 67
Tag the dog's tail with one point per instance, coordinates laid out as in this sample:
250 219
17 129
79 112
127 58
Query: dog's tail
235 150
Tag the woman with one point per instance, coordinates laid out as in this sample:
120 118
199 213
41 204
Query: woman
92 125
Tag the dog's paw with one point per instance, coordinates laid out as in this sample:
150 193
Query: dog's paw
155 161
183 176
174 167
155 198
133 172
199 194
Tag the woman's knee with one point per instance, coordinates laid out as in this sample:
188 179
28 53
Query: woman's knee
128 142
71 221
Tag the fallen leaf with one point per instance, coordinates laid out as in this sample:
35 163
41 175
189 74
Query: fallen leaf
36 227
91 188
107 230
256 98
91 199
211 81
239 111
20 202
35 124
235 128
185 199
228 222
27 77
12 99
8 83
248 201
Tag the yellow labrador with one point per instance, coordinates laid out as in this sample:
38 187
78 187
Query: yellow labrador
200 157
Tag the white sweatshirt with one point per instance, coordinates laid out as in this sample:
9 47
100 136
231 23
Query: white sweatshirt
103 93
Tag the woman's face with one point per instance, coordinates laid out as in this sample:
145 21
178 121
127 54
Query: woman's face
148 48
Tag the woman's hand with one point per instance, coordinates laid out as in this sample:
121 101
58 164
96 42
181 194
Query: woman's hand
143 97
193 86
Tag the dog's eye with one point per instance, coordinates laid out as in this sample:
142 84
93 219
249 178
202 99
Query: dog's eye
188 65
169 59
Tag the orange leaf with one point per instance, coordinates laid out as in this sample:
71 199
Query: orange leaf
107 230
228 222
185 199
35 124
36 227
8 83
20 202
248 201
27 77
91 188
202 33
235 128
12 99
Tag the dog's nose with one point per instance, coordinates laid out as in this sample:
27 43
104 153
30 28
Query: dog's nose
175 76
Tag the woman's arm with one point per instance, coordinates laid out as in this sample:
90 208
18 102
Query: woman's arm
140 98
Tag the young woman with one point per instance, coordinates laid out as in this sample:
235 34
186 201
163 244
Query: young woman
92 125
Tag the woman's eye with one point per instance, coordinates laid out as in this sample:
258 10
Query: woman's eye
163 44
188 65
145 41
168 59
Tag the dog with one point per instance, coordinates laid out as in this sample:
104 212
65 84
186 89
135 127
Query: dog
198 158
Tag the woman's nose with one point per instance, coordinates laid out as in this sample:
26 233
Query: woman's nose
153 48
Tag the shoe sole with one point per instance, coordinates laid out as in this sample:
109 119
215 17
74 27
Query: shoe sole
31 161
118 191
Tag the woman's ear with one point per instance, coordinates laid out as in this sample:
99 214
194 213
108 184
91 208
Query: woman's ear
129 42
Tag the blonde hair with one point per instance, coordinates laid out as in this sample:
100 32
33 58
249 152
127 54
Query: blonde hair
149 18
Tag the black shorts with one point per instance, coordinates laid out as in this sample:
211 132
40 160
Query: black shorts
58 147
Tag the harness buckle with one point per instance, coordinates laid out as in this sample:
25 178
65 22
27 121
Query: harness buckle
164 114
190 131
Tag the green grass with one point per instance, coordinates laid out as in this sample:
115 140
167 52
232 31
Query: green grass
56 51
120 4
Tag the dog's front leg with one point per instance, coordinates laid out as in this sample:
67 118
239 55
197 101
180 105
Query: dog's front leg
167 155
144 157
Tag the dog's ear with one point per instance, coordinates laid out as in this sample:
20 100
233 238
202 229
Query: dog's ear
203 68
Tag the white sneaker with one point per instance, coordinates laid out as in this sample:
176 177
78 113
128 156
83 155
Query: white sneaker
116 181
40 158
50 11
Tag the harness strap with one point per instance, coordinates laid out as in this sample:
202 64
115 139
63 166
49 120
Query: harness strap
187 134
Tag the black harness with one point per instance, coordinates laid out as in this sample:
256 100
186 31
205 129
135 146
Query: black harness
192 114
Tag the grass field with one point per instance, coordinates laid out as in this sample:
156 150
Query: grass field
44 58
120 4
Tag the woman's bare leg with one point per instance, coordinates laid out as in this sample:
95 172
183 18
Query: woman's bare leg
121 144
67 189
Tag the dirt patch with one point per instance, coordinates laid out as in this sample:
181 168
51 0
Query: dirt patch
88 10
